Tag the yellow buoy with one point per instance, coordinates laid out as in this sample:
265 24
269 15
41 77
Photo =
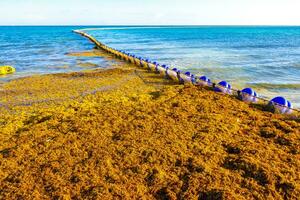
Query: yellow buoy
6 70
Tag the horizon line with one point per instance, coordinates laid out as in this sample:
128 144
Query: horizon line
140 25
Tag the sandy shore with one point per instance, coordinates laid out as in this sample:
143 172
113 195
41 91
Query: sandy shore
126 133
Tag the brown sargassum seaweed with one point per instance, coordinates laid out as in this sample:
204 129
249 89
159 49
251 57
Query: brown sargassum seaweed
125 133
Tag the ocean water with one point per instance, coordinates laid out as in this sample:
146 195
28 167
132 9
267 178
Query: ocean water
42 50
265 58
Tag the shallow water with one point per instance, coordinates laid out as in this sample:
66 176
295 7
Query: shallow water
265 58
43 50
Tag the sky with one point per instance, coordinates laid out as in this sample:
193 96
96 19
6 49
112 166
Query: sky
149 12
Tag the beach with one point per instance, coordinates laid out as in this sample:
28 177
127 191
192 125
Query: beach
126 133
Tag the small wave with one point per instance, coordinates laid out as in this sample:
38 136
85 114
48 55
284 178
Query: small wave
271 86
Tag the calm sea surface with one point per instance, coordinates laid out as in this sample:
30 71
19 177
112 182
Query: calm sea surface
42 50
265 58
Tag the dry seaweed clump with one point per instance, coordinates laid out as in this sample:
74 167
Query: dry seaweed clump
125 133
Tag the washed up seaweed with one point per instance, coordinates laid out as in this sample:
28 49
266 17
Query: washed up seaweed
140 137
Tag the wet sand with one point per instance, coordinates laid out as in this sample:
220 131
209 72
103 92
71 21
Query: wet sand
126 133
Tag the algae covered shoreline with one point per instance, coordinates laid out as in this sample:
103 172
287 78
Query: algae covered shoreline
125 133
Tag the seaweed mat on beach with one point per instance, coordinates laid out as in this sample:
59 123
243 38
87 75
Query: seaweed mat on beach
140 137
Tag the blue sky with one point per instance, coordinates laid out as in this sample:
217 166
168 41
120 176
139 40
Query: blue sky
149 12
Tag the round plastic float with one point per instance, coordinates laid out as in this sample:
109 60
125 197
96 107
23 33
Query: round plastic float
249 95
281 105
223 87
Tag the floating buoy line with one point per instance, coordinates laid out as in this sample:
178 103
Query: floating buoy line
278 104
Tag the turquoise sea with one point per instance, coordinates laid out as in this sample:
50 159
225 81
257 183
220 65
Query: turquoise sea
265 58
42 50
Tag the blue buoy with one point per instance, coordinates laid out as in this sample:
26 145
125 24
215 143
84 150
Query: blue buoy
188 73
193 78
140 61
149 64
249 95
223 87
187 78
167 68
281 105
181 81
290 108
172 73
132 58
204 78
162 70
156 65
204 81
176 71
